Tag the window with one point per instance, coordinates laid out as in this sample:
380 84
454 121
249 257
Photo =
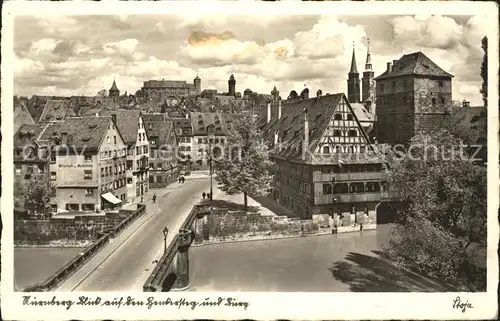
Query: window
114 140
338 117
433 101
362 149
89 192
200 141
102 172
87 158
353 209
353 133
366 209
151 179
393 84
114 153
350 149
53 176
382 87
440 83
337 133
129 180
222 140
18 169
349 117
338 149
87 174
88 207
129 165
105 171
327 188
115 170
137 150
442 100
52 157
146 149
53 208
326 149
107 139
72 207
153 142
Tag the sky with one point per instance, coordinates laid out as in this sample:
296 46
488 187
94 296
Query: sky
81 55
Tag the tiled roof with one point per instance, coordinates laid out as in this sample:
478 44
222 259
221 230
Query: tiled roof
290 127
202 121
153 117
28 134
21 115
414 64
37 103
184 123
361 113
127 122
161 131
56 110
85 132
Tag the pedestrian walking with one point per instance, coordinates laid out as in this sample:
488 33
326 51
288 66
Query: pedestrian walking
203 195
182 179
154 198
179 180
302 229
209 196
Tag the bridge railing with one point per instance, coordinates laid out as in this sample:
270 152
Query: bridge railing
74 264
155 281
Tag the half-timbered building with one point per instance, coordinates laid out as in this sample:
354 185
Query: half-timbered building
325 162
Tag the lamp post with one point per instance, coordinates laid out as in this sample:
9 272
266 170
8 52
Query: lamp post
210 138
165 233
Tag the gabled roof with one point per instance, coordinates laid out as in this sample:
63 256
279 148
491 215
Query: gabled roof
21 115
28 134
86 132
290 127
361 113
184 123
56 110
161 131
414 64
202 121
127 122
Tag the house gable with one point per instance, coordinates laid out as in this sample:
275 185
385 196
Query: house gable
343 133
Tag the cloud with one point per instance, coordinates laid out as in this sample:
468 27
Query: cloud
427 31
82 54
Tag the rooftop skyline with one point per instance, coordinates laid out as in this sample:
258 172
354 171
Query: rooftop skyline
81 55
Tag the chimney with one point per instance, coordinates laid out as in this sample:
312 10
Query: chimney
389 67
319 93
279 108
64 138
268 112
305 143
113 116
368 106
394 62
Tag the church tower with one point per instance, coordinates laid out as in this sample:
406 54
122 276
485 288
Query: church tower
197 84
353 90
368 82
114 91
232 86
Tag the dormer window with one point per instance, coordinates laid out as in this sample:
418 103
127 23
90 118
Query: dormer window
153 142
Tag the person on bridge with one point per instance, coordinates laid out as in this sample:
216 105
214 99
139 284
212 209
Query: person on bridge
203 195
154 198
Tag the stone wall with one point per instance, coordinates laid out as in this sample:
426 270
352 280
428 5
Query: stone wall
81 228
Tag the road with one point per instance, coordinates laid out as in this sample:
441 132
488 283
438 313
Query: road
125 263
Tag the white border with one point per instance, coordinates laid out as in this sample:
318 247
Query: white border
263 305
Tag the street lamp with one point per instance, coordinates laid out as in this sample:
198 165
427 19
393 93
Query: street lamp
165 233
210 137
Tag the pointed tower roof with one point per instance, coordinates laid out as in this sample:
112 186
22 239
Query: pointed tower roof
368 64
354 68
114 87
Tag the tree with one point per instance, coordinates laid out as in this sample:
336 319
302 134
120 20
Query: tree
246 167
442 229
37 196
484 71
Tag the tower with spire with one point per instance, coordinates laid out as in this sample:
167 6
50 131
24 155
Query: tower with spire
368 82
197 83
114 91
353 90
231 86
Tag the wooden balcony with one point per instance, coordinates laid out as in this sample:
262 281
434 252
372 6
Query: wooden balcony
349 198
359 176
